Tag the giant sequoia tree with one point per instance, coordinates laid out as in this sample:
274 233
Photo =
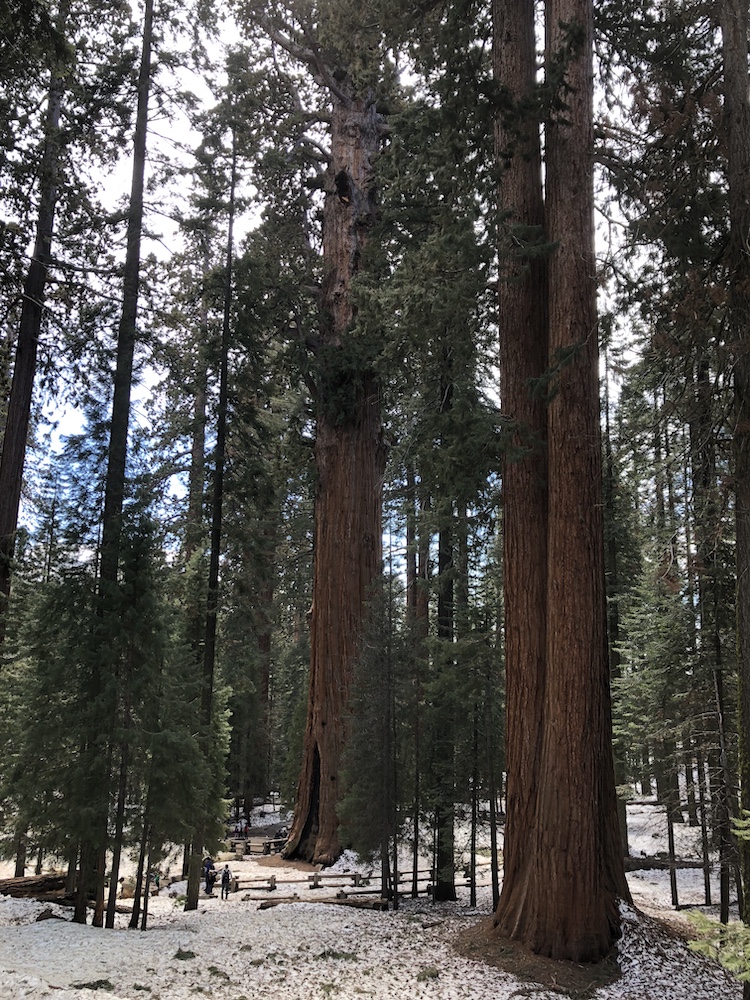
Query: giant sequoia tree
349 451
562 881
350 461
523 359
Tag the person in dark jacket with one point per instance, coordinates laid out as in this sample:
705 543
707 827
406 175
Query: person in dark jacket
209 871
226 881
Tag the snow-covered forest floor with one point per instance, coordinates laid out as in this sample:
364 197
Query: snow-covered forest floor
231 949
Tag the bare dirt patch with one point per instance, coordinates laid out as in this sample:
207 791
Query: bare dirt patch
571 979
277 861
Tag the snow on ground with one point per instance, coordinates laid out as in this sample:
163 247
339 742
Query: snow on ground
305 950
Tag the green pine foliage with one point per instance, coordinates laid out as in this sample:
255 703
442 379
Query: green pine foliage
727 944
375 771
660 688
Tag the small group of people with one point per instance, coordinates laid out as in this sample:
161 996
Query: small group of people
240 828
210 875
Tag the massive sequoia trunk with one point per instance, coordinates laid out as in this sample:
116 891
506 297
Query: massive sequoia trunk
350 462
523 359
564 866
578 859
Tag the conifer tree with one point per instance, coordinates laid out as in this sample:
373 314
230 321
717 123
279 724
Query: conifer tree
24 368
429 290
522 306
345 58
680 203
566 805
217 501
371 807
734 23
94 843
85 73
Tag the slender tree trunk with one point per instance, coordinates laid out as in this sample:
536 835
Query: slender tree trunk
122 789
645 773
492 791
705 845
350 463
194 869
145 834
146 890
722 809
613 608
21 849
195 530
212 595
474 805
104 709
387 752
395 790
32 310
444 731
665 763
195 533
671 779
265 638
689 764
418 598
671 854
71 871
85 875
114 490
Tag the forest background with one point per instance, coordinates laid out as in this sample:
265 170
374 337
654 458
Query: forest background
155 640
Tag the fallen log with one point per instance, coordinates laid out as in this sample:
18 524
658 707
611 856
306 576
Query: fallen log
31 886
360 904
663 864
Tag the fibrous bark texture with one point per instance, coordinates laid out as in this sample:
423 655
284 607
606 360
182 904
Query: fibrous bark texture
564 869
350 462
523 360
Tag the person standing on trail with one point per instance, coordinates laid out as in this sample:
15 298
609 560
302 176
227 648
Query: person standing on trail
210 875
226 879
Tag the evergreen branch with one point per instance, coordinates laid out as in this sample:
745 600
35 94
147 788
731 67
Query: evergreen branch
66 265
309 56
328 78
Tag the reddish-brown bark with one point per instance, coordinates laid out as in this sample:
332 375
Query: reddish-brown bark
564 870
523 359
350 462
578 858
